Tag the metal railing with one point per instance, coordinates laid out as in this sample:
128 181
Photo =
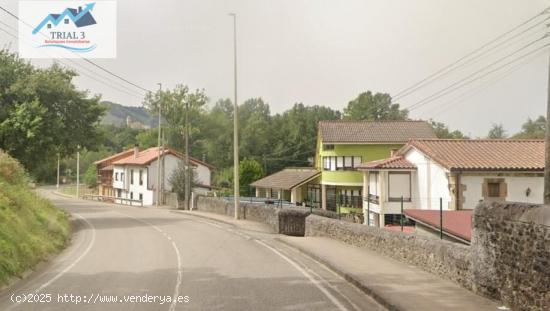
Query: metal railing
105 198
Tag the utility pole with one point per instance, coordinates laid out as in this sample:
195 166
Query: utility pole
547 145
187 165
158 158
58 160
235 122
77 171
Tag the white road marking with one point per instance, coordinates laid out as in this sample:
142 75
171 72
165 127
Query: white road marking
320 286
178 256
69 267
335 301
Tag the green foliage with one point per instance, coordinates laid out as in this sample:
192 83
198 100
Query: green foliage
179 178
30 227
533 129
374 108
249 171
42 113
442 131
497 131
90 177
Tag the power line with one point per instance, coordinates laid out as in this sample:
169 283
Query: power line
466 95
83 73
80 66
85 59
457 85
449 67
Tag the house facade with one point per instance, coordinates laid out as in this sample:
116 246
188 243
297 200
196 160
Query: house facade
342 146
334 183
290 184
452 175
135 174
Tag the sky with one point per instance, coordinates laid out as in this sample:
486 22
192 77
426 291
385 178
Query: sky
326 53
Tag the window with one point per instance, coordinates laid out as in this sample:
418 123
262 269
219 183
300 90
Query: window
339 163
328 147
122 177
49 26
328 164
348 162
131 177
66 20
116 176
140 177
493 189
399 186
118 193
131 195
357 161
141 196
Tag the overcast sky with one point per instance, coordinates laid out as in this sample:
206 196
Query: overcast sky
326 52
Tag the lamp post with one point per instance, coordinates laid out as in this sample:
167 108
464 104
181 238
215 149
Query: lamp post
235 122
158 158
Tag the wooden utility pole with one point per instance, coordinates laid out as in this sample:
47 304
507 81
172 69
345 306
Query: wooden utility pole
547 145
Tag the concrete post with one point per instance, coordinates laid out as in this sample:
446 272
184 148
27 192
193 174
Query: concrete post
324 197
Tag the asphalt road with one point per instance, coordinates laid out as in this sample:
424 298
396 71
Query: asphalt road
129 258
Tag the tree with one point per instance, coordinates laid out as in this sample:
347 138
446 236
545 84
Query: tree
533 129
178 179
249 172
90 177
43 114
374 108
173 103
442 131
497 131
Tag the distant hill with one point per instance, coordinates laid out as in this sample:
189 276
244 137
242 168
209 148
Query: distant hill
116 114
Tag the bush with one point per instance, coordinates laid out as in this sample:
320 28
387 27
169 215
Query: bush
30 227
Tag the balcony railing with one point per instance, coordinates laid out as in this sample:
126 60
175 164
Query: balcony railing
354 201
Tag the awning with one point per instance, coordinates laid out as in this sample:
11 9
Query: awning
287 179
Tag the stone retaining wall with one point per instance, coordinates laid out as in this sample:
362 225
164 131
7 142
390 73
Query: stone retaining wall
511 254
447 259
283 221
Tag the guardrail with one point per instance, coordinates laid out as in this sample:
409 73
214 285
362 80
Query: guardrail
105 198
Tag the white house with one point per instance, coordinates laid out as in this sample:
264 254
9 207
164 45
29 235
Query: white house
134 175
457 174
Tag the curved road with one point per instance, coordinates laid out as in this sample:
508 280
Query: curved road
127 258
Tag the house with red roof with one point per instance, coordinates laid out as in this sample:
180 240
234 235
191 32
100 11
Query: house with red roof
133 174
454 173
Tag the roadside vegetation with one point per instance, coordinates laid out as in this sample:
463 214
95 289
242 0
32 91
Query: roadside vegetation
30 227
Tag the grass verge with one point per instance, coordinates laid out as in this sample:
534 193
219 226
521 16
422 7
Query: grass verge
30 227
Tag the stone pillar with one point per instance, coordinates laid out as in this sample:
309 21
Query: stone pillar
257 192
279 194
381 221
324 196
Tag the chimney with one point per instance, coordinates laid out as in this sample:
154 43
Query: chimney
136 151
79 9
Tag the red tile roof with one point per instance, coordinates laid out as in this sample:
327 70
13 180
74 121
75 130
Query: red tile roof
396 163
455 223
109 160
145 157
343 131
483 154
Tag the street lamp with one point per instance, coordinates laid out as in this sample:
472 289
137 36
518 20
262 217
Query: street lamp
235 122
158 158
